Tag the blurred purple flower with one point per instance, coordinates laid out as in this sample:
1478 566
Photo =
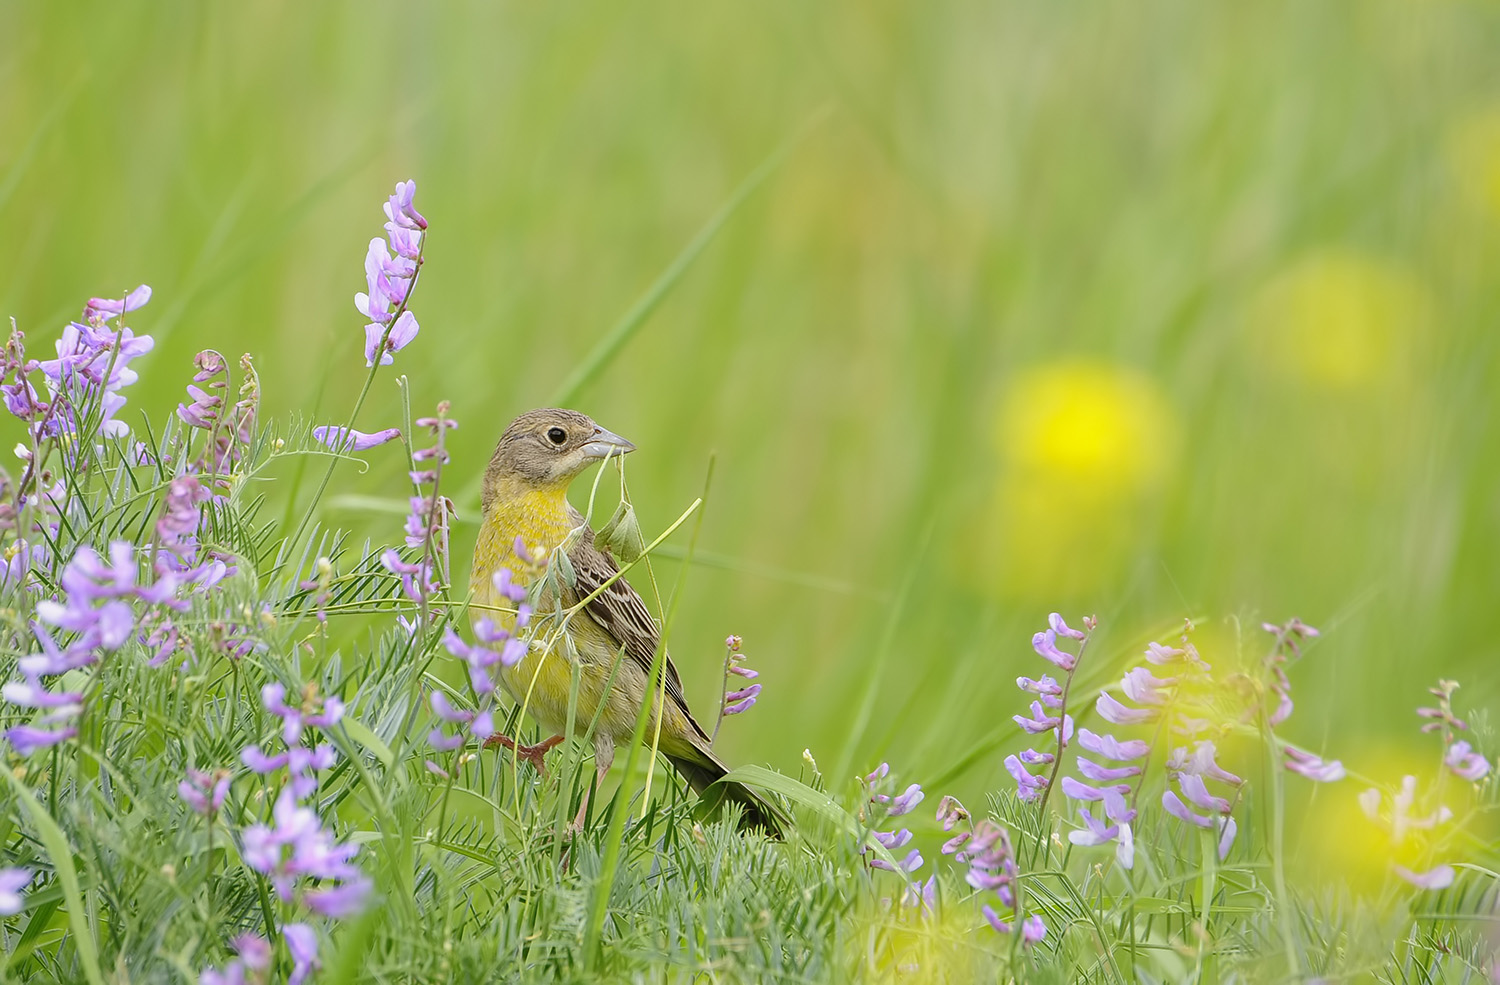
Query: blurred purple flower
1032 928
950 812
1440 877
1465 762
302 944
26 739
911 863
12 881
1313 767
205 792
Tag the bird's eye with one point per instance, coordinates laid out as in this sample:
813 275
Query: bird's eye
557 435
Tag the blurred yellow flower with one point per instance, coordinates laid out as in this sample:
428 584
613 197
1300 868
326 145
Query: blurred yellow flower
1339 319
1474 157
1080 446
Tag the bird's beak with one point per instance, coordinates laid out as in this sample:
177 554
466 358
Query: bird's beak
606 444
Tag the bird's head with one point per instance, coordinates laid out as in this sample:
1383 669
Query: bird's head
546 449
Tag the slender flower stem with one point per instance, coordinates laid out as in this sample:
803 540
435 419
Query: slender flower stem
363 392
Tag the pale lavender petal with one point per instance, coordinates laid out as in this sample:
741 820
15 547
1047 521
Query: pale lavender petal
1196 792
1093 771
1439 878
1045 644
1061 628
1112 711
1111 748
1178 809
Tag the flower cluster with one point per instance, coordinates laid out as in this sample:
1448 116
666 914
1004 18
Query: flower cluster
427 523
1458 756
1403 817
992 868
85 380
497 644
736 700
253 966
228 437
1284 649
1050 696
883 807
99 619
391 272
295 845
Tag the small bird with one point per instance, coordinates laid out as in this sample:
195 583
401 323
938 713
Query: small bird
524 501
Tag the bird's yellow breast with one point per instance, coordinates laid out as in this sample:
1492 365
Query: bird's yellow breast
539 517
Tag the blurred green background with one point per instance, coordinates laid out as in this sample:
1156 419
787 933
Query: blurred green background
1143 309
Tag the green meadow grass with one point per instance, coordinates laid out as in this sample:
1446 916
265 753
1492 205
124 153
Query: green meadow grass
979 311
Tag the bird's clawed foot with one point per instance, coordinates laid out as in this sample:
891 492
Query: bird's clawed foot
530 754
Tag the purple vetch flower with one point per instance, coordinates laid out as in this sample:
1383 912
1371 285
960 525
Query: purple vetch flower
340 901
1032 928
99 309
1196 791
1200 762
1051 697
1045 644
1040 722
302 944
254 956
911 863
1442 717
883 806
400 210
1465 763
12 881
34 694
1113 711
1091 770
950 812
207 408
1111 748
26 739
383 342
348 439
296 845
427 524
905 802
1060 628
1143 688
91 368
922 895
736 700
1224 826
205 792
1028 785
1440 877
1313 767
1402 820
391 271
311 712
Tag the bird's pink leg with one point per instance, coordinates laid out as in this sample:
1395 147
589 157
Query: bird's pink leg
530 754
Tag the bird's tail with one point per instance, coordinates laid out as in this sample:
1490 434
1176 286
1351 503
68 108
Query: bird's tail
704 771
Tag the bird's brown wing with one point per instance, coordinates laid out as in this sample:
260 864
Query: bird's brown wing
622 613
